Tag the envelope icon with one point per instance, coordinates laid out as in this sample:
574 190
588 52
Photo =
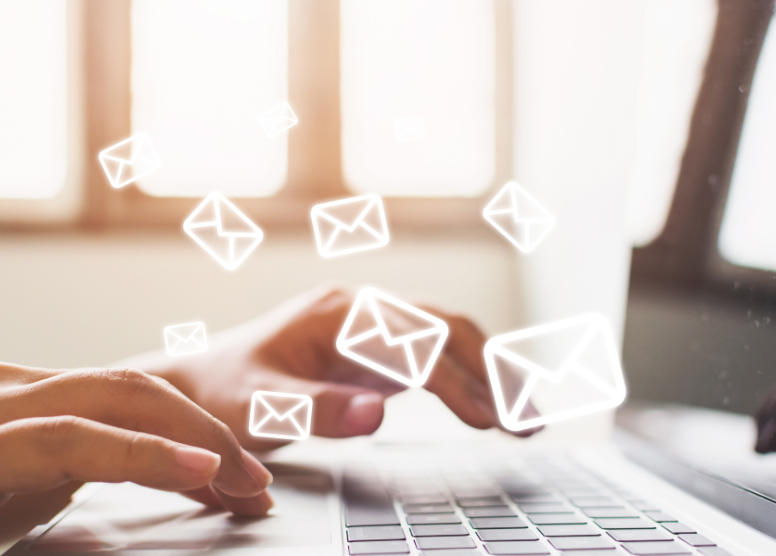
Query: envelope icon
278 119
392 337
519 217
349 225
567 368
408 129
223 231
129 160
185 339
279 415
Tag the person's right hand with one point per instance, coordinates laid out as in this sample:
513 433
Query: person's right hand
116 425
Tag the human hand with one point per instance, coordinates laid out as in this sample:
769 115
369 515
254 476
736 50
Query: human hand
116 425
292 349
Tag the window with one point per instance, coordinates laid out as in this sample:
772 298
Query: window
748 232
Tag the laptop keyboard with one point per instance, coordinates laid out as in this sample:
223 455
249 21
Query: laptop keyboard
541 507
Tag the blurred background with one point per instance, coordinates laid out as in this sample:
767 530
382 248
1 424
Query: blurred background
645 127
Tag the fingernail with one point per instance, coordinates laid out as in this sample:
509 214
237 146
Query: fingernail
197 459
363 414
259 472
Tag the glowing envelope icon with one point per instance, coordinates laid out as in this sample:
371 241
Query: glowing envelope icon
185 339
279 415
392 337
519 217
278 119
223 231
409 129
350 225
568 369
129 160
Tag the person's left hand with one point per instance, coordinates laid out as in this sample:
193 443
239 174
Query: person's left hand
292 349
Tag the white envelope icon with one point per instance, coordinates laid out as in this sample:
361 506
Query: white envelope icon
567 368
519 217
408 129
223 231
349 225
392 337
278 119
129 160
279 415
185 339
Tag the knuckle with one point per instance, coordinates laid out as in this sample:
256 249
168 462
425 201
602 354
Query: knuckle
58 430
127 382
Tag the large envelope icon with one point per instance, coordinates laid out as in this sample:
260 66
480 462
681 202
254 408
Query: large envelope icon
185 339
223 231
519 217
349 225
279 415
567 368
392 337
129 160
408 129
278 119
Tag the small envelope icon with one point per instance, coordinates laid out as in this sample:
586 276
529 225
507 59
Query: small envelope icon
278 119
408 129
519 217
223 231
392 337
349 225
185 339
278 415
129 160
567 368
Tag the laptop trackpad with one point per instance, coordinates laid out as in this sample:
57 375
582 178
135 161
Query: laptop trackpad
122 519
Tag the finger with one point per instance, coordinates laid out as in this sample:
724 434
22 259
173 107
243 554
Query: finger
339 410
133 400
42 453
204 495
254 506
465 343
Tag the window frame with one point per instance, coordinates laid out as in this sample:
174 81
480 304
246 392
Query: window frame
104 117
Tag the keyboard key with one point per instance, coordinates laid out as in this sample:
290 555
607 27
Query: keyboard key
367 503
490 511
660 517
435 543
544 508
714 551
393 533
481 501
439 531
655 548
507 535
427 508
586 492
643 506
694 539
557 519
598 552
521 548
581 543
424 499
379 547
452 552
427 519
678 528
593 502
569 531
497 523
625 523
356 515
640 535
609 512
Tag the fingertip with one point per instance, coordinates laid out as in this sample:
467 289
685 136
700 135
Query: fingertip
256 469
197 460
363 414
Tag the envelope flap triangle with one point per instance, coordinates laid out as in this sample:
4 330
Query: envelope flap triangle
124 151
286 113
232 221
548 351
600 358
346 214
186 332
205 214
282 407
400 323
504 200
529 208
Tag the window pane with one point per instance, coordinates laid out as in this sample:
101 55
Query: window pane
33 98
203 73
418 108
748 233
